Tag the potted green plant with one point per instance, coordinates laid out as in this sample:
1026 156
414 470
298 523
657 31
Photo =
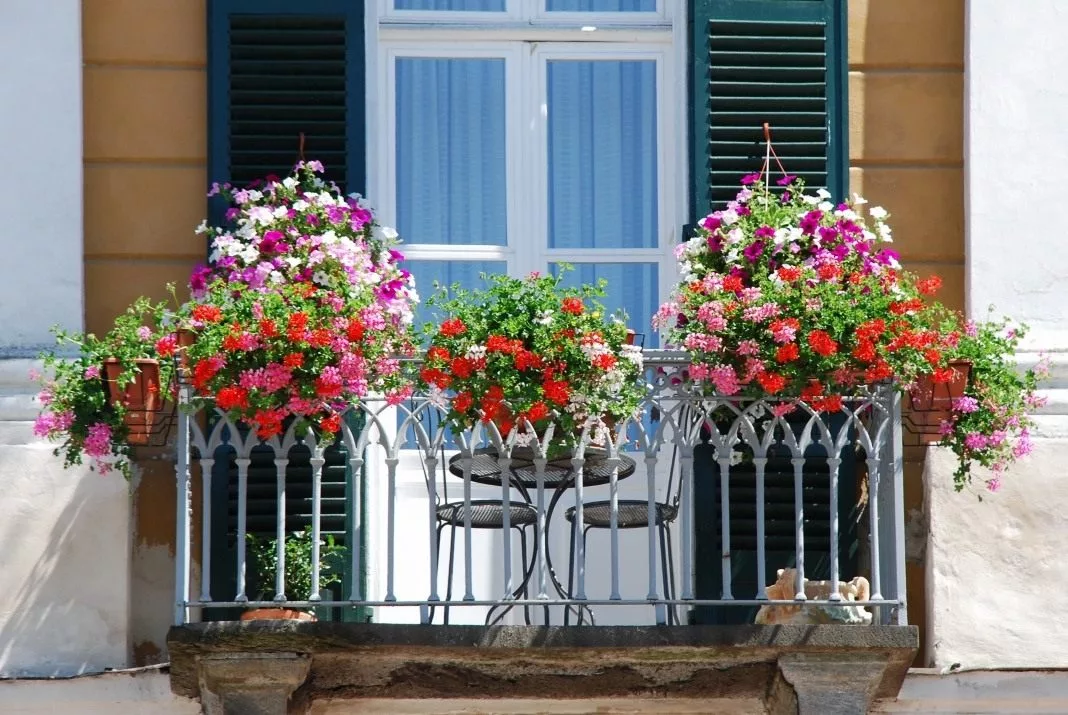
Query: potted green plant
297 576
524 353
108 393
787 293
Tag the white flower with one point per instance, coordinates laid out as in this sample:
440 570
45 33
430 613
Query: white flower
810 200
289 182
476 352
254 195
203 227
735 235
736 457
544 318
859 200
848 215
320 278
293 261
276 277
729 216
328 238
384 233
884 233
781 235
823 193
877 212
249 255
300 205
281 212
825 206
869 236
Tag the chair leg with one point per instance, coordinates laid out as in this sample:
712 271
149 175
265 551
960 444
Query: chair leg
452 559
571 572
671 572
441 528
664 569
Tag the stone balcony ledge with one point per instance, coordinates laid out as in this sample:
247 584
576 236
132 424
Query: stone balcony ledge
777 669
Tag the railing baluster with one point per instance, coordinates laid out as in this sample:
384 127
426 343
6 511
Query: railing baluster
242 513
505 464
317 462
687 506
391 525
543 568
613 522
650 506
894 464
578 464
280 465
833 463
725 519
356 519
873 528
182 515
761 464
431 461
799 525
207 464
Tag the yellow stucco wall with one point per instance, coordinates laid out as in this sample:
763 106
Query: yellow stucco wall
906 145
145 176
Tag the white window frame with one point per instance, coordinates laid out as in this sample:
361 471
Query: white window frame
529 12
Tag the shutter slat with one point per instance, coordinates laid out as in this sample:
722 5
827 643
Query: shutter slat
288 76
765 71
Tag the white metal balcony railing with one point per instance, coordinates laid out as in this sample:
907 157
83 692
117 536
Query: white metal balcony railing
398 469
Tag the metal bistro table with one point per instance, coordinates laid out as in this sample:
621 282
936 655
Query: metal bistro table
559 476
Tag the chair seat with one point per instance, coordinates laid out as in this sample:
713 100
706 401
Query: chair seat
633 514
488 514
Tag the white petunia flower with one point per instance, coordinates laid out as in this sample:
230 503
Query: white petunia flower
203 227
823 193
729 217
385 232
289 182
544 318
859 200
877 212
825 206
884 233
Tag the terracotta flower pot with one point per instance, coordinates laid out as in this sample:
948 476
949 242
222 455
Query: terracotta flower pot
930 403
186 338
277 614
142 398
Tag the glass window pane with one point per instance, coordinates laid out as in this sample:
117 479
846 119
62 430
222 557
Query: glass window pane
631 286
445 273
602 154
450 151
600 5
459 5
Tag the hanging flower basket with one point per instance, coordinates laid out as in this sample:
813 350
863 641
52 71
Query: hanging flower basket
142 398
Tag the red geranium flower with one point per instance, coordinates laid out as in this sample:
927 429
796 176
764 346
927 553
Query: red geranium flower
453 327
822 343
929 286
787 353
572 305
232 397
462 402
207 313
330 423
772 382
557 391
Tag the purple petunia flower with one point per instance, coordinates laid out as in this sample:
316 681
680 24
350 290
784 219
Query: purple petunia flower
754 251
786 180
750 179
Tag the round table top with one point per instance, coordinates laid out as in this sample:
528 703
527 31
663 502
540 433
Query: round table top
485 469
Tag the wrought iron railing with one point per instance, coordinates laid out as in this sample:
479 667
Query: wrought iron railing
714 468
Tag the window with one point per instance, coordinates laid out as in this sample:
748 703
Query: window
518 135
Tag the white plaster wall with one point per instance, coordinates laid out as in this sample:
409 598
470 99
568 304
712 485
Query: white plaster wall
41 185
105 694
64 564
969 693
1016 111
995 568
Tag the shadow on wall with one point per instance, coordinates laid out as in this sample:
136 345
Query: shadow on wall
64 566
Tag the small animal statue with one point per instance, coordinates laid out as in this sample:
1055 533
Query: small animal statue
785 588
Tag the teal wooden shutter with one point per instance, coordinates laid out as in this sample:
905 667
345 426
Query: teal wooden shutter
278 69
777 61
782 62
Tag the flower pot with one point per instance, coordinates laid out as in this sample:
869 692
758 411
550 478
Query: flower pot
142 398
277 614
930 403
186 338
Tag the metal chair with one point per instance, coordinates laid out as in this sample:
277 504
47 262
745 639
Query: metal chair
485 514
632 514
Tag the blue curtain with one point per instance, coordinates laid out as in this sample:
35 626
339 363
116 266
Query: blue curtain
602 154
601 5
468 5
451 151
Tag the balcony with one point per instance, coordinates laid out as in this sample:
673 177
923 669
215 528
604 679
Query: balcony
453 581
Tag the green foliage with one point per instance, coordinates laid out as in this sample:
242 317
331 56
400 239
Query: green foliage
298 563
